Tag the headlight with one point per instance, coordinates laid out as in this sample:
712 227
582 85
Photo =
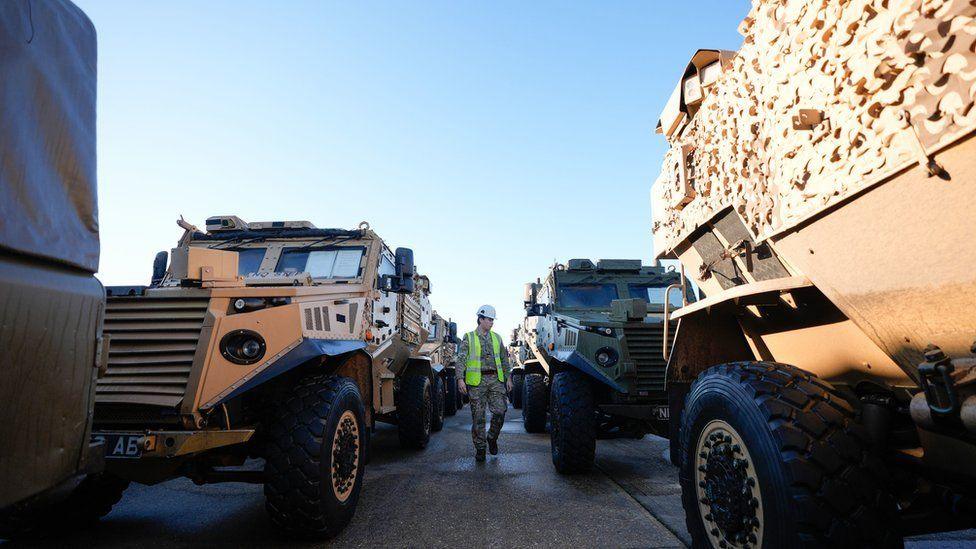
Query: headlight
606 357
248 304
251 349
242 347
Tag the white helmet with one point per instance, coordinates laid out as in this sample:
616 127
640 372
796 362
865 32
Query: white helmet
487 311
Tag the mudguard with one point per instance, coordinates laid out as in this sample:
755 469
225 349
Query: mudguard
576 360
305 351
419 366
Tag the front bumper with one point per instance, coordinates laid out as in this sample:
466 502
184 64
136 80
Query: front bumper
166 444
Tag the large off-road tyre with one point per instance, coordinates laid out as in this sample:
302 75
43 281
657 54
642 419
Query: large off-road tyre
535 402
415 407
91 500
516 395
437 415
451 399
771 456
572 421
314 457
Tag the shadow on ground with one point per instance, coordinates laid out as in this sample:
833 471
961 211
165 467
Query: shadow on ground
439 497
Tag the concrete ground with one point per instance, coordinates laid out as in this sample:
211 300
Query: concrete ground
440 497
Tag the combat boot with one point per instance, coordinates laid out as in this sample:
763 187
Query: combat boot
479 454
493 446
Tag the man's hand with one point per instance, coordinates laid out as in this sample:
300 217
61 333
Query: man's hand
462 387
508 385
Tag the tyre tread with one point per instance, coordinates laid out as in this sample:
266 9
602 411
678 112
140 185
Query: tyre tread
839 488
293 483
438 400
535 402
415 390
574 423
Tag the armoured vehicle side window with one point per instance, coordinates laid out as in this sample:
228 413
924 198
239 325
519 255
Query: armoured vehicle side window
545 294
653 294
334 263
386 266
586 295
249 260
432 336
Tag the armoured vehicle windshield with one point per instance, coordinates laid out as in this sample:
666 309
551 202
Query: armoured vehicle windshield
586 296
266 252
653 294
322 262
591 290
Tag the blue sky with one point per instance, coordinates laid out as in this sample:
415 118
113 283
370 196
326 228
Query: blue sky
493 138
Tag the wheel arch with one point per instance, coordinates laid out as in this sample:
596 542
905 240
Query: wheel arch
574 361
358 366
702 340
308 355
533 367
419 366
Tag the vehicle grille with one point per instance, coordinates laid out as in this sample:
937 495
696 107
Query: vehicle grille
111 414
644 347
151 352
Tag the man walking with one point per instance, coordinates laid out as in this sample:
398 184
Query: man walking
486 380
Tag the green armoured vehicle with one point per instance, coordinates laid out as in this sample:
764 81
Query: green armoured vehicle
595 332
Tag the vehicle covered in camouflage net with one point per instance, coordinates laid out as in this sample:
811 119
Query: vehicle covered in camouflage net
277 340
594 331
818 187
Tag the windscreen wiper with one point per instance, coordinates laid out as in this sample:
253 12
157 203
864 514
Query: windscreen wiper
321 240
238 240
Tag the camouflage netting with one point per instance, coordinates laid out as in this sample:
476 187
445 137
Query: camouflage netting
894 79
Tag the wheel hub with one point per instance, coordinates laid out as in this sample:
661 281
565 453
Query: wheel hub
345 456
727 488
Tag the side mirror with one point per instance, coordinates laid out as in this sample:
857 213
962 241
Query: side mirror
452 332
531 293
539 309
159 268
402 282
404 269
404 263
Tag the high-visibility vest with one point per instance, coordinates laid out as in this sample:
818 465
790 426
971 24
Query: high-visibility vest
472 368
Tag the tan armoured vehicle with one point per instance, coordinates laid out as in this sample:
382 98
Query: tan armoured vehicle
441 348
278 340
819 189
51 305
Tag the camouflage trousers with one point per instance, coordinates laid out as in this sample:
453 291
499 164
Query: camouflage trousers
489 395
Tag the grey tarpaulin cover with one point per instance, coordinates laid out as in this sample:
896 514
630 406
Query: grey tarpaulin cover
48 200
